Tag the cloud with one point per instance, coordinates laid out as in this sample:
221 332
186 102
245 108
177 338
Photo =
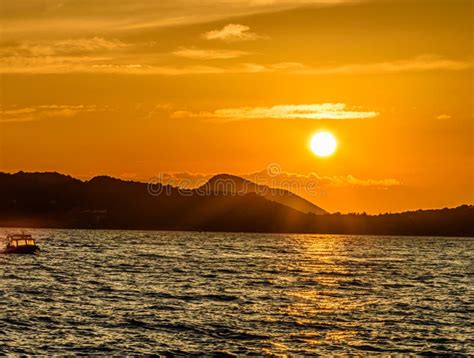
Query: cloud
284 179
350 180
295 182
416 64
99 55
70 55
53 18
61 48
312 185
82 45
232 32
203 54
443 117
103 64
50 64
34 113
334 111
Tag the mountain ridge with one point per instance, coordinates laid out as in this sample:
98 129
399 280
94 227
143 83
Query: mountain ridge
59 201
233 184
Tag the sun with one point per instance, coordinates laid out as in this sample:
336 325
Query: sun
323 144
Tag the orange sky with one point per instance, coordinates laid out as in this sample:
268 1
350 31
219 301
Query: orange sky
192 88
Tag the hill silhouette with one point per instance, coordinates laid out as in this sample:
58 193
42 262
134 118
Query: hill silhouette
234 185
59 201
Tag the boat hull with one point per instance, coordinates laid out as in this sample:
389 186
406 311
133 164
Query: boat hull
24 250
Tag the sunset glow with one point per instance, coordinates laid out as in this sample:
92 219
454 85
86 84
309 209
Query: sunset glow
137 88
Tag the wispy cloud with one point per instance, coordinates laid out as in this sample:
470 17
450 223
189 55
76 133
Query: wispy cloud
443 117
295 182
282 176
70 55
416 64
61 48
100 55
53 18
334 111
232 32
208 54
34 113
350 180
111 65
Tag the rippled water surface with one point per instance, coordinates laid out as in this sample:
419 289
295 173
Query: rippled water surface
118 292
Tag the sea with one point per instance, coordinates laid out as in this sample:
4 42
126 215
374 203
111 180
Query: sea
116 293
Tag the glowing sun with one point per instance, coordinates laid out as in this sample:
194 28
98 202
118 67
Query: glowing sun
323 144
